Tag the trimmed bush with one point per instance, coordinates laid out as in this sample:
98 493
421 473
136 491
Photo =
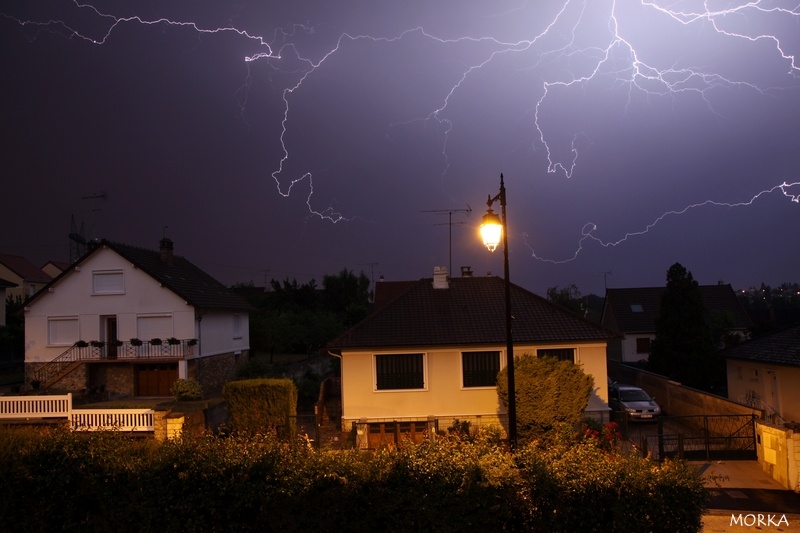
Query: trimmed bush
258 405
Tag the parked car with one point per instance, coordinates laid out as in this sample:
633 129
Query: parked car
633 402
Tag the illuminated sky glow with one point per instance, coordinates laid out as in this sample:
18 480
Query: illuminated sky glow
295 141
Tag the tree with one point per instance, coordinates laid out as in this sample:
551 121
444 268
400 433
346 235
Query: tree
569 298
549 392
347 295
684 347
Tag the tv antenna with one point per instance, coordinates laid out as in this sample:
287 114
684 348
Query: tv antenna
449 213
94 197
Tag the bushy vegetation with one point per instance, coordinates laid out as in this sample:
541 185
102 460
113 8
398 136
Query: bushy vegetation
187 390
548 392
57 481
259 405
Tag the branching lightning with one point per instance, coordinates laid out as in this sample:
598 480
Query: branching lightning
613 56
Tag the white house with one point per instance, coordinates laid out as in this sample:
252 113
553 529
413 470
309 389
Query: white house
128 321
430 352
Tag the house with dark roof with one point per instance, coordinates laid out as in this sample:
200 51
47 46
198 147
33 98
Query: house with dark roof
54 268
26 277
765 372
429 355
129 321
633 312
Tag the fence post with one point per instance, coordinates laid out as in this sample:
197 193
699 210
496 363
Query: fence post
660 438
708 439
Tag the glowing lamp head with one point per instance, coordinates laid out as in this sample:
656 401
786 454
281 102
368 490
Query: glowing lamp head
491 230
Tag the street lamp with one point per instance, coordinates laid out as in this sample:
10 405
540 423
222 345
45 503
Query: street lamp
492 229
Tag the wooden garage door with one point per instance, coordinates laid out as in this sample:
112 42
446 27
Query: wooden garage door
155 380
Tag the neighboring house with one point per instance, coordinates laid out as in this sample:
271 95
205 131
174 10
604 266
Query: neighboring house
54 268
765 372
4 285
27 277
633 312
430 355
91 327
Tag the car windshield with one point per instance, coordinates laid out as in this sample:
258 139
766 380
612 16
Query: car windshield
636 395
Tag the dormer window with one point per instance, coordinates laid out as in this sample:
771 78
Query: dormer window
637 308
108 282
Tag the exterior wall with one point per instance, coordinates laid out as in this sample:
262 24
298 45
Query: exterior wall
3 306
214 371
629 354
72 297
215 332
779 454
444 398
775 385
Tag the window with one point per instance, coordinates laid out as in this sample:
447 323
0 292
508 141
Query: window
154 327
107 282
399 371
237 326
637 308
63 331
479 369
562 354
643 345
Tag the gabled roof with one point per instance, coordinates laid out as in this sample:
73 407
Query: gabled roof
24 268
781 347
635 310
470 312
178 275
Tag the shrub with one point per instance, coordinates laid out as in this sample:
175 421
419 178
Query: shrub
256 405
187 390
549 392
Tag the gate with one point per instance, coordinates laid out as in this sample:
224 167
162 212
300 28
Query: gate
703 438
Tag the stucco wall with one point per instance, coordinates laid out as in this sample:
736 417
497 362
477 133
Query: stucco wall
444 397
775 385
72 297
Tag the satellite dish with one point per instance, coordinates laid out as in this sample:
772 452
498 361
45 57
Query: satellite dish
77 237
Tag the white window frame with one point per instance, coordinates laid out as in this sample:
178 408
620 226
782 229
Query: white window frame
99 288
424 371
67 324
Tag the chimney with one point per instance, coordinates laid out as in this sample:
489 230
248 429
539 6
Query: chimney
440 278
165 246
466 272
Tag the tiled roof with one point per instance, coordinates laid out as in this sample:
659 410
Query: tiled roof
470 312
24 268
179 275
635 310
781 347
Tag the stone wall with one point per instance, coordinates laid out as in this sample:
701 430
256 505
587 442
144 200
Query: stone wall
214 371
779 453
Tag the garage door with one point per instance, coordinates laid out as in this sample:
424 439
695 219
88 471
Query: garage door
155 380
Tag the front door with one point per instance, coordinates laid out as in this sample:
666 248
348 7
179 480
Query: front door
111 337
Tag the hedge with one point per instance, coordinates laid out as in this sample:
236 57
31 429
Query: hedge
257 405
106 482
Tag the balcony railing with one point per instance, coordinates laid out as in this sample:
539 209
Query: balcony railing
133 350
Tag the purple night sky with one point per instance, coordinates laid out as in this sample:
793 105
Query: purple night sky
296 140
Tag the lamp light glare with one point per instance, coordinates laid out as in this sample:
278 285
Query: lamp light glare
491 230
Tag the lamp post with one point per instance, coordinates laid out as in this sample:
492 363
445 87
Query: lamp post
492 229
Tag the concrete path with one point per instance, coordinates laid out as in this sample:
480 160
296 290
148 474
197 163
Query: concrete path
745 498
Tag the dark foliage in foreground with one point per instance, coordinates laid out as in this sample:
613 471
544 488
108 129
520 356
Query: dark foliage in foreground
61 481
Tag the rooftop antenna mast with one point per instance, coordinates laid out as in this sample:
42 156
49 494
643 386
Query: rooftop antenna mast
450 223
372 275
77 241
94 197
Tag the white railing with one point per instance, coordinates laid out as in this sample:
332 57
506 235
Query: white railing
112 420
35 406
27 407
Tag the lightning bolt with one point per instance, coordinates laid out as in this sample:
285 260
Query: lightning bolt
560 52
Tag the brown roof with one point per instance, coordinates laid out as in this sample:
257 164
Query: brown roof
470 312
635 310
781 347
24 268
179 275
